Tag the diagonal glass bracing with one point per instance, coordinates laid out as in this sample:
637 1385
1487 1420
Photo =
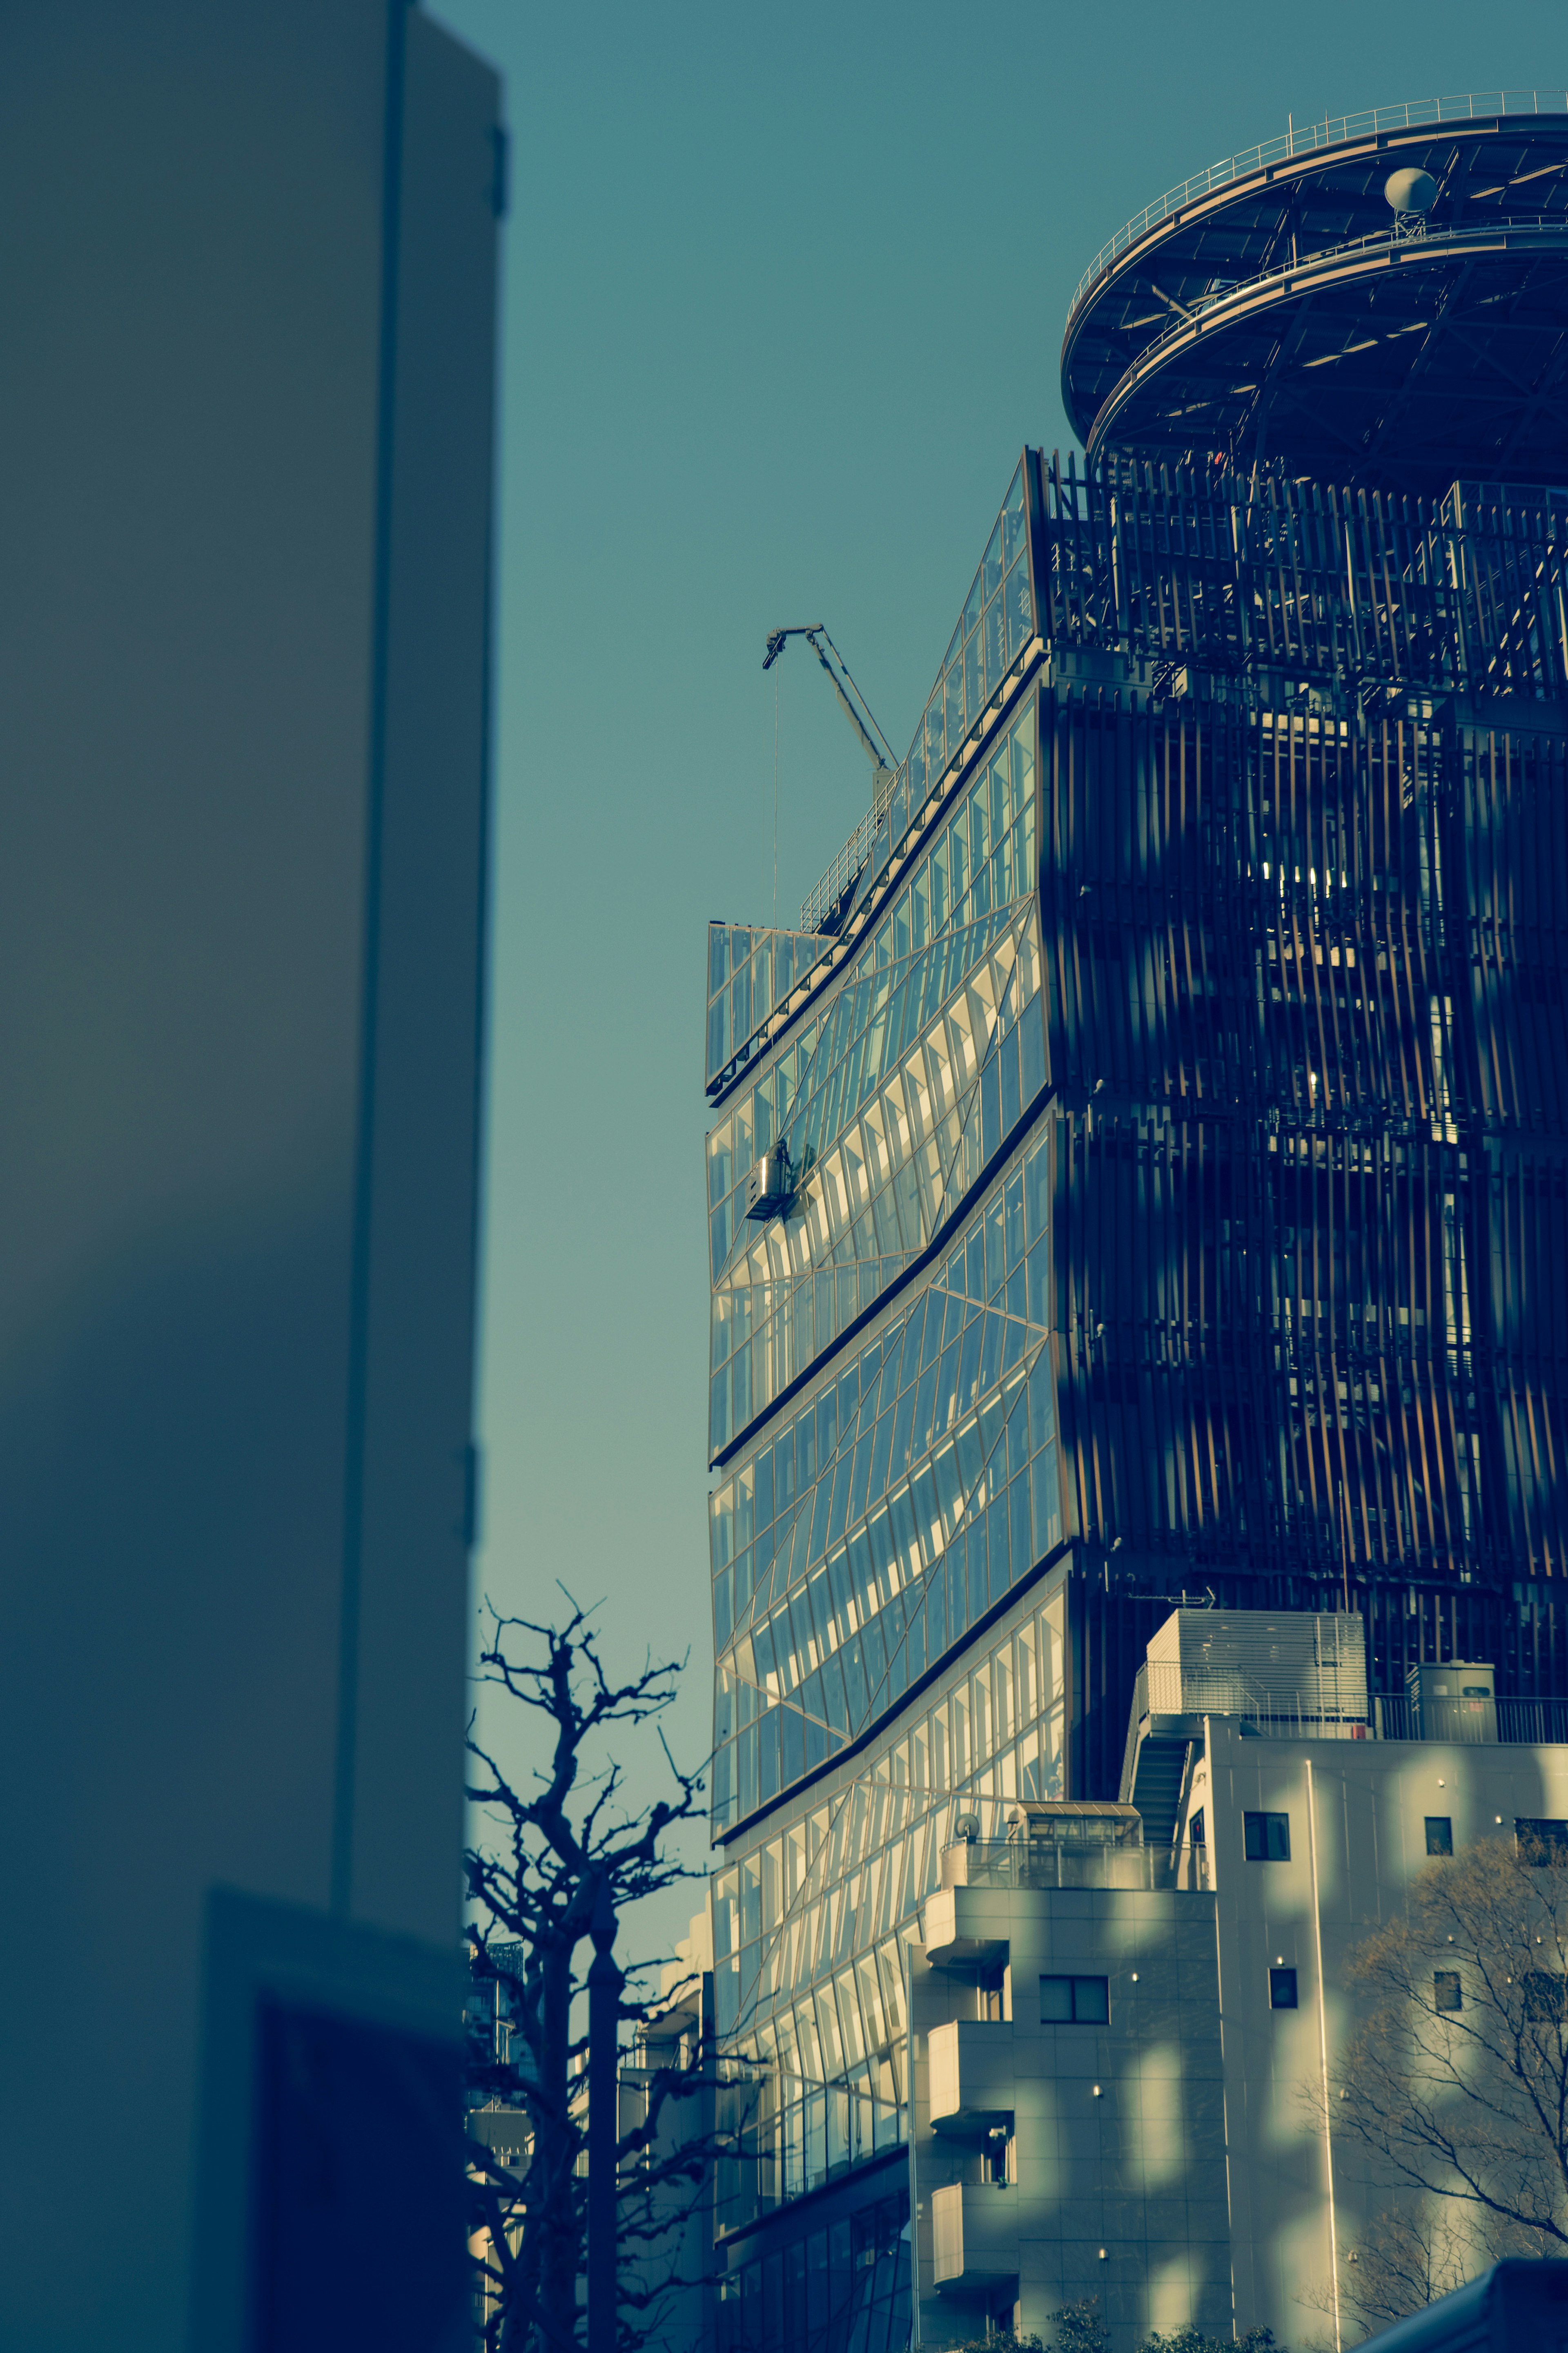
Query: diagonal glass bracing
889 1484
901 1500
750 971
914 1073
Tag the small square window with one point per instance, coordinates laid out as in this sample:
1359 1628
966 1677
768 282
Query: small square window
1267 1838
1075 2001
1439 1834
1282 1989
1446 1993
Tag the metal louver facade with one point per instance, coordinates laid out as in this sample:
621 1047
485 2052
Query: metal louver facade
1304 869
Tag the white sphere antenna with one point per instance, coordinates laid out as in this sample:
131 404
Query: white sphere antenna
1411 191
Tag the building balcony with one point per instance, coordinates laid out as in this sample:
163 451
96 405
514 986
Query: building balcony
965 1928
975 2234
971 2075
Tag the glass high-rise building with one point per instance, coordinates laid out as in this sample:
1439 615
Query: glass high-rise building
1154 1135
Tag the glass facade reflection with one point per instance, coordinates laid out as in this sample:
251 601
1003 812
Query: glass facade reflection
890 1509
829 2288
888 1636
808 1949
892 1099
749 972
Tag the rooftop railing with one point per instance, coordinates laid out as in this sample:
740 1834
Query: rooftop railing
1528 1723
1050 1862
855 855
1524 1723
1330 132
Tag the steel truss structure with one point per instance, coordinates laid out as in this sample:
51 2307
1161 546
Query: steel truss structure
1277 306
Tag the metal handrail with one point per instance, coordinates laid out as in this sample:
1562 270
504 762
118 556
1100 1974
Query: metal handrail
1044 1863
850 861
1509 1722
1330 132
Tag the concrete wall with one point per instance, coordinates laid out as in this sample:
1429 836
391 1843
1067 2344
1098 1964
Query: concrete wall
1357 1812
1136 2168
244 464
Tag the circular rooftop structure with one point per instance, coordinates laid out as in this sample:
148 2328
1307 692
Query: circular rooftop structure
1279 307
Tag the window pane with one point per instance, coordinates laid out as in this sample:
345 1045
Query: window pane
1446 1994
1439 1834
1056 2000
1267 1838
1091 2000
1281 1989
1542 1840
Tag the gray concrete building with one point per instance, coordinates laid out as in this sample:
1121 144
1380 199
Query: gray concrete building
245 427
1124 2018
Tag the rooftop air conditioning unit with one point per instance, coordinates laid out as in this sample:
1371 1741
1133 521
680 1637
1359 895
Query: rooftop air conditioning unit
771 1185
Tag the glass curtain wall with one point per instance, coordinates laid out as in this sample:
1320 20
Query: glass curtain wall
845 2283
749 973
994 630
809 1922
902 1499
891 1101
888 1481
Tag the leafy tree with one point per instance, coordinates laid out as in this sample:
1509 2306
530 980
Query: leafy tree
535 1894
1456 2080
1001 2341
1193 2340
1079 2328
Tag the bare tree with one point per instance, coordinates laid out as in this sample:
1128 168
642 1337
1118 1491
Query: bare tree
1411 2255
1456 2080
535 1895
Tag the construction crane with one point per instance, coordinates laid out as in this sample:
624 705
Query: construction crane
852 703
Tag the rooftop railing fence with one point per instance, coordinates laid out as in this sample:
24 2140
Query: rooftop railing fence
1528 1723
1395 1716
1330 132
1051 1864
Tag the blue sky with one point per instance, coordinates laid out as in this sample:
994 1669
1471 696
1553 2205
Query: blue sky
783 298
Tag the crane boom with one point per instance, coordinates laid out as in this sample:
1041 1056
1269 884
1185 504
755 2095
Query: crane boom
851 701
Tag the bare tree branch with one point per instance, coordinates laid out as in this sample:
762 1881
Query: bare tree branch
533 1889
1456 2080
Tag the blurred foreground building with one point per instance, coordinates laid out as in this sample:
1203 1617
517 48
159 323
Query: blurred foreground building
1143 1174
244 440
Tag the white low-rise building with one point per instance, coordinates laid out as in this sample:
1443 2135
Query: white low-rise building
1125 2019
